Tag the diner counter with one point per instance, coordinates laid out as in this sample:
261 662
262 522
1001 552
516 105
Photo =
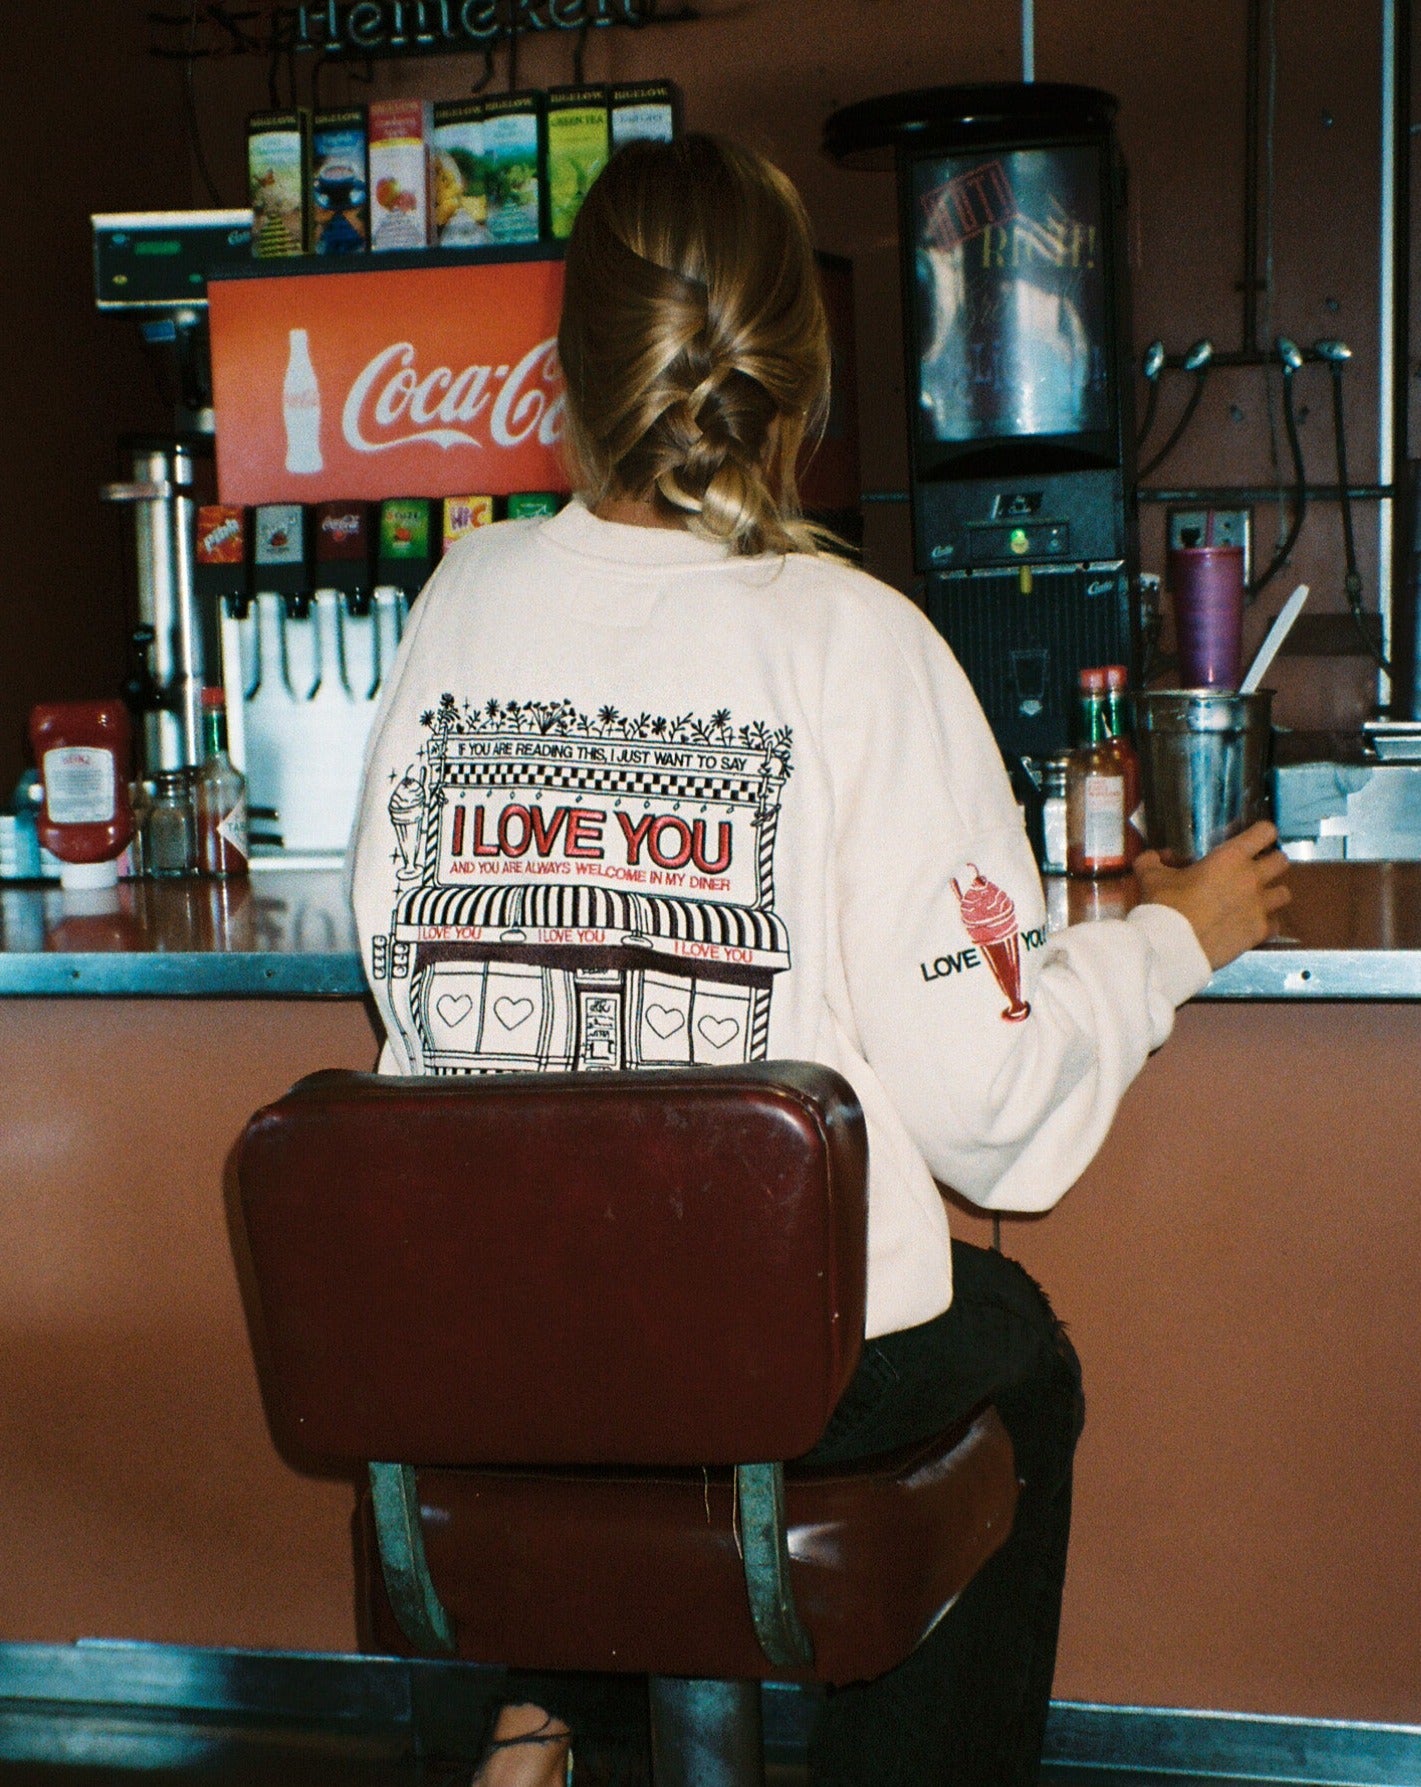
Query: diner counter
1240 1267
1352 932
278 933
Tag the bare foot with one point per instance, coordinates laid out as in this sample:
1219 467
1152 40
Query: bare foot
529 1748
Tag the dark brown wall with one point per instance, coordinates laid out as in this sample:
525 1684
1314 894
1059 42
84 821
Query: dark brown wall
768 71
90 124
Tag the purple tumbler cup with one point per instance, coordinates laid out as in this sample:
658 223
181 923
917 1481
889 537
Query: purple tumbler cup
1206 584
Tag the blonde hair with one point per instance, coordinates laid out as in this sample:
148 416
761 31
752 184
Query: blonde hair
694 341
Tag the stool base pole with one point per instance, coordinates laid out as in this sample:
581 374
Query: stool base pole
706 1733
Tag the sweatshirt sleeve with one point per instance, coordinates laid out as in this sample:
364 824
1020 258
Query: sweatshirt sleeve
1005 1051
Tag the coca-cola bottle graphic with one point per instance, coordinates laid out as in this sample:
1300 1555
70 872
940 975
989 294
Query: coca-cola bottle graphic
301 408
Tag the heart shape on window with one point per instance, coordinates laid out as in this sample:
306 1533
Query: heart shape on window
665 1020
453 1008
718 1032
512 1012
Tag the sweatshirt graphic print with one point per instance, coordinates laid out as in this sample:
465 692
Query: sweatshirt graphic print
632 803
583 891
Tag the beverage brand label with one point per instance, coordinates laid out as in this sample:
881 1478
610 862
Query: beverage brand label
278 535
532 502
221 538
434 379
404 530
462 514
341 532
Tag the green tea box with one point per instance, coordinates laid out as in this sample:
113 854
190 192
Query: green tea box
457 186
513 166
278 144
644 111
578 147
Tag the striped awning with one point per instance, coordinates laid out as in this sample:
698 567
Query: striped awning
578 906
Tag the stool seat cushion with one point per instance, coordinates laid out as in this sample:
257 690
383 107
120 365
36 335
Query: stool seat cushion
559 1269
640 1571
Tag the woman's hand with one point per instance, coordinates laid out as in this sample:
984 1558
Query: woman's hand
1229 896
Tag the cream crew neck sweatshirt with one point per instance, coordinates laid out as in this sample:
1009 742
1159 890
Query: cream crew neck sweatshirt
630 801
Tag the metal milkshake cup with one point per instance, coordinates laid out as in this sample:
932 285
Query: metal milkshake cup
1204 758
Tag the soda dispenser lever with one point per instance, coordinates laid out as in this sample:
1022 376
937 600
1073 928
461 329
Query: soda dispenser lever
342 550
407 545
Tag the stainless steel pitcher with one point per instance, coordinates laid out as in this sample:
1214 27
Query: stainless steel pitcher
1203 765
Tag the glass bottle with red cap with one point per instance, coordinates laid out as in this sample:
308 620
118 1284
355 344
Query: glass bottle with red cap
220 796
1096 788
1117 682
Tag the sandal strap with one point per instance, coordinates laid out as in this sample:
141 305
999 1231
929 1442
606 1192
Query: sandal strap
533 1737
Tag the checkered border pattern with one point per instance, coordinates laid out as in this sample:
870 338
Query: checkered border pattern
603 778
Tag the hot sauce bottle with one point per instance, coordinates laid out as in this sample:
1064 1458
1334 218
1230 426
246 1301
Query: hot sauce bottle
82 749
1096 788
220 796
1117 680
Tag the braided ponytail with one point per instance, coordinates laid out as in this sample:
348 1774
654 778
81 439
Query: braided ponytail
694 343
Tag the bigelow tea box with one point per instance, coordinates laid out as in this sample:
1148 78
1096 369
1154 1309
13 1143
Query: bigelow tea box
578 147
644 111
457 185
277 146
513 166
338 208
401 133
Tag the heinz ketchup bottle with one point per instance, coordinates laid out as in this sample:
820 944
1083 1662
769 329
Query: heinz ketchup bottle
81 750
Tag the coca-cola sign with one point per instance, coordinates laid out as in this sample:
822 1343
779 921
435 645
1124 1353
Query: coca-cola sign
428 381
393 402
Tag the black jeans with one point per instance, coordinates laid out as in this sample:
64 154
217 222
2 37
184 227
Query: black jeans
968 1708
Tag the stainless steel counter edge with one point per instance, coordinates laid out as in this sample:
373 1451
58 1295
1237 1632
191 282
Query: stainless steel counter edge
1275 973
1282 973
195 975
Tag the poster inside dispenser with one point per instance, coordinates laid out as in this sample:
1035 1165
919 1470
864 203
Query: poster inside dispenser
1011 296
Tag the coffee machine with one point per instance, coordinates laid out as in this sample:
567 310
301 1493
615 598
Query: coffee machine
151 267
300 647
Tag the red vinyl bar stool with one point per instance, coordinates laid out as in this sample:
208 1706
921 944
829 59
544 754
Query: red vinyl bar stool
575 1324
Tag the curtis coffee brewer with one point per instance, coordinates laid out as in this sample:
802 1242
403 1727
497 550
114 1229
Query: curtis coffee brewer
1016 324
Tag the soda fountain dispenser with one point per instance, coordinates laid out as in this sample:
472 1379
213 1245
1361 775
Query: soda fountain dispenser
304 662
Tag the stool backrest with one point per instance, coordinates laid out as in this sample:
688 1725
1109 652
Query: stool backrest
579 1269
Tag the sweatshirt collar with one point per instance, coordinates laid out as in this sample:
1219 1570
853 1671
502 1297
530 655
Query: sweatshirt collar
577 530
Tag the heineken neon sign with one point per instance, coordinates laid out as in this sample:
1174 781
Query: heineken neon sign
383 28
